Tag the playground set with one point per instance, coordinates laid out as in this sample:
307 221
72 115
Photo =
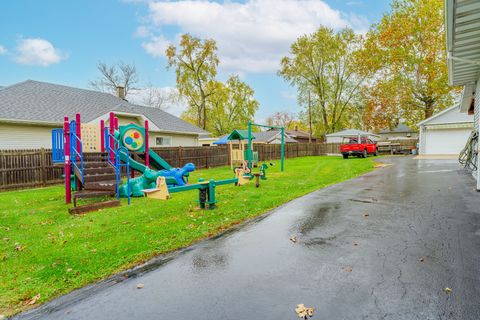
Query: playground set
99 162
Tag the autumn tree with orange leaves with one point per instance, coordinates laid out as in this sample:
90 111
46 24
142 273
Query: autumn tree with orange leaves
407 48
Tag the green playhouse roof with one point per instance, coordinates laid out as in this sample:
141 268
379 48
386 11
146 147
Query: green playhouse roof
239 135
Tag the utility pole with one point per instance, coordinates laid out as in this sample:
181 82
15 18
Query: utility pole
309 119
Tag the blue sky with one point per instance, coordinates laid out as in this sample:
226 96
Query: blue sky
62 41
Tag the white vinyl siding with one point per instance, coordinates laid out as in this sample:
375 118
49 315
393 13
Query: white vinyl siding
24 136
183 140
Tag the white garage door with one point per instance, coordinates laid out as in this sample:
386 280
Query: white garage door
446 141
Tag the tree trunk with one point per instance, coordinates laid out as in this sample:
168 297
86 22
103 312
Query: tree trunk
428 109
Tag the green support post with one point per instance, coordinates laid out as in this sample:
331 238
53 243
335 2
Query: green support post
211 195
249 146
282 150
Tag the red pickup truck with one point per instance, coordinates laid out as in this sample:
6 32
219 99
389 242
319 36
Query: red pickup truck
351 147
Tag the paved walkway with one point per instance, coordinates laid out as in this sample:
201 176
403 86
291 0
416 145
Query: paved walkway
382 246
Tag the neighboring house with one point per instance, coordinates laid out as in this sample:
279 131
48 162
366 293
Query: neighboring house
299 135
446 132
337 137
29 110
206 140
463 52
262 137
398 133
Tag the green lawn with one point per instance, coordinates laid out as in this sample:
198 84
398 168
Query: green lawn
46 251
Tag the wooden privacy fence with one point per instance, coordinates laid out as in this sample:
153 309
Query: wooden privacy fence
28 168
34 167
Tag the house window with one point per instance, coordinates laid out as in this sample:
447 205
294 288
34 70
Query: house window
163 141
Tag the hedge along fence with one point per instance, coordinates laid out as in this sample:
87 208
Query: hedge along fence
34 167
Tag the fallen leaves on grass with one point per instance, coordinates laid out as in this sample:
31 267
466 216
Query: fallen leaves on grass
304 312
19 248
140 286
33 300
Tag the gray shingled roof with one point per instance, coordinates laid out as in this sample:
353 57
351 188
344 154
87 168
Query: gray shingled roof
265 136
46 102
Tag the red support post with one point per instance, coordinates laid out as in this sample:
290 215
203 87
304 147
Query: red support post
102 135
116 123
147 155
78 129
112 132
67 163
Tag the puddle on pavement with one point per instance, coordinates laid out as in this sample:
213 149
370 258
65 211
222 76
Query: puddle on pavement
318 241
315 217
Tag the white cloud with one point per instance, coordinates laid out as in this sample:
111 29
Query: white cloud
2 49
156 46
167 97
251 36
36 51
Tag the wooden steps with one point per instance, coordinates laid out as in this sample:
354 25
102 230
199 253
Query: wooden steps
94 206
99 182
88 194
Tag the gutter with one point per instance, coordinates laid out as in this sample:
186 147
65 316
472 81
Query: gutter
32 122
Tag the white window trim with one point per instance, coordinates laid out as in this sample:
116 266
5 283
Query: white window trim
163 145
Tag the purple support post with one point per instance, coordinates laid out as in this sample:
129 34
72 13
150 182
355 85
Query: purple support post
67 163
102 135
78 129
112 132
147 155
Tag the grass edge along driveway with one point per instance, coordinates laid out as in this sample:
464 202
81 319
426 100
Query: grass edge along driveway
45 252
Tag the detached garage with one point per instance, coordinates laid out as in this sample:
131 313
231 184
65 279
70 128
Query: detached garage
445 133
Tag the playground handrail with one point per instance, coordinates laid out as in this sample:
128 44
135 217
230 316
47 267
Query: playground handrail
118 165
116 150
58 154
75 140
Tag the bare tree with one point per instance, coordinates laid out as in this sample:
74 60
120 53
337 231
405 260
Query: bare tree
281 118
117 75
160 98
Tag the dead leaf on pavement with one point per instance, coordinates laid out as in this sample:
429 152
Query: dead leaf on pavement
293 239
422 259
140 286
366 214
355 243
347 269
304 312
33 300
447 290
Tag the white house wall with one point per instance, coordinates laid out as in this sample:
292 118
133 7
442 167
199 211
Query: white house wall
22 136
176 139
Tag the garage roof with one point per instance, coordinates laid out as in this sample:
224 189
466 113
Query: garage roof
463 40
448 116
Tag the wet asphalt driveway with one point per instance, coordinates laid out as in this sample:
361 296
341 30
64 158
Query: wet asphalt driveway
421 235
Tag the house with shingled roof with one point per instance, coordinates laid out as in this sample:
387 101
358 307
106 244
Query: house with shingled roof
29 110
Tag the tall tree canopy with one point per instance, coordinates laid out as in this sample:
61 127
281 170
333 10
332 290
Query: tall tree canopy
195 63
324 66
212 105
231 107
407 48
